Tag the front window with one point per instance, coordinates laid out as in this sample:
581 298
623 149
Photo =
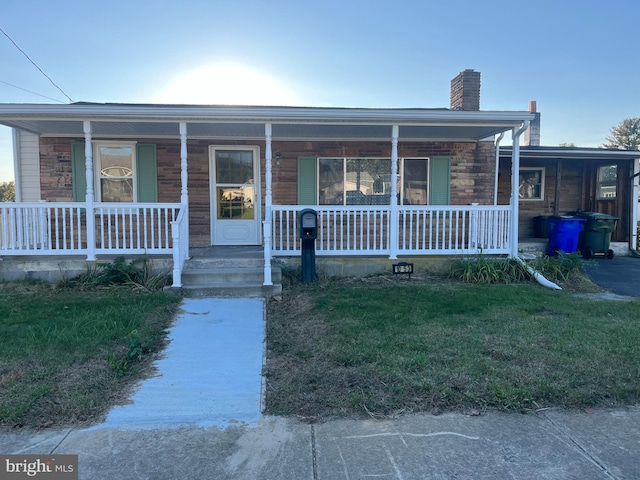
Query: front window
115 172
607 180
367 181
531 184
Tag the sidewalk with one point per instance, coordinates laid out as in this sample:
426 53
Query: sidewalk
550 445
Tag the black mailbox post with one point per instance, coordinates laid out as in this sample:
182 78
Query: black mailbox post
308 222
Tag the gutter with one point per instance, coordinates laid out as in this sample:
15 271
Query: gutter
538 276
260 114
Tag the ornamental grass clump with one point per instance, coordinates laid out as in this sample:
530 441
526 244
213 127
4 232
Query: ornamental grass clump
481 269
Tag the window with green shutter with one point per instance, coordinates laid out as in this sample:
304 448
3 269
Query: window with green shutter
123 172
367 181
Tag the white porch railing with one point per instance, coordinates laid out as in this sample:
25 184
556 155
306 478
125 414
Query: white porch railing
120 229
422 230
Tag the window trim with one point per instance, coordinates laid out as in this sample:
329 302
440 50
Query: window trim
400 179
97 172
542 172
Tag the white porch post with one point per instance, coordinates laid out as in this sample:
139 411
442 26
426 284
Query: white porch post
184 191
89 196
634 206
393 217
515 185
268 201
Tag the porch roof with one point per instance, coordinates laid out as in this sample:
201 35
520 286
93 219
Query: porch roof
247 122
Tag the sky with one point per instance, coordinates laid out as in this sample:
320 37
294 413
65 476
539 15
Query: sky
578 59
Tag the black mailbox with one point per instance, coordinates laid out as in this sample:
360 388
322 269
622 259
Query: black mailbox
308 224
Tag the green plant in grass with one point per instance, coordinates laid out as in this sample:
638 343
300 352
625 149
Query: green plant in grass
137 274
562 267
481 269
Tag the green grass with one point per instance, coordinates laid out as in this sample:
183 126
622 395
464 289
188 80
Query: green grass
338 349
66 355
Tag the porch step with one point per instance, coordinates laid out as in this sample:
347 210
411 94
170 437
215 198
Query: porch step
232 275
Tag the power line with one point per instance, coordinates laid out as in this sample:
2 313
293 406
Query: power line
34 93
34 64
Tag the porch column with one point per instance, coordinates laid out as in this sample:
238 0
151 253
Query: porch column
634 206
515 185
184 191
393 217
268 201
89 196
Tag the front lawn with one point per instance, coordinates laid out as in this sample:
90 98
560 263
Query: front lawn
381 347
67 356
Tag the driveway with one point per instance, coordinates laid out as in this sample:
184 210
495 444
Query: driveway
620 275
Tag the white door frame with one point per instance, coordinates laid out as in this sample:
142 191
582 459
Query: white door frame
254 234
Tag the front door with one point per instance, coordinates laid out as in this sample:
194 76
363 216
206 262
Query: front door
235 196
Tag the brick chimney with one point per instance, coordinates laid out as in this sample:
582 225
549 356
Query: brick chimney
465 91
532 134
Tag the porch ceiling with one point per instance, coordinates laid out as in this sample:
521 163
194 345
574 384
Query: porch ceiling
288 123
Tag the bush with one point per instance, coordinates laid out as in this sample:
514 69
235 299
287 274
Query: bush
137 274
481 269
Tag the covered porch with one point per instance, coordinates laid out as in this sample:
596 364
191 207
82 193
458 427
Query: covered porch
93 228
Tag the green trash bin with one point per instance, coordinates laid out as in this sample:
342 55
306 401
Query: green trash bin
595 238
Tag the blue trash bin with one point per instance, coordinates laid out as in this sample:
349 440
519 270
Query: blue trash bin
564 232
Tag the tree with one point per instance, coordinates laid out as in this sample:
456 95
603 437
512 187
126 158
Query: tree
7 192
625 136
565 144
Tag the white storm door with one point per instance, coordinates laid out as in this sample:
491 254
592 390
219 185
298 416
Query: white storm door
235 196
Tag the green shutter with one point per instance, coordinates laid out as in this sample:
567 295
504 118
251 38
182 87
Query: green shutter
440 181
78 172
307 180
147 172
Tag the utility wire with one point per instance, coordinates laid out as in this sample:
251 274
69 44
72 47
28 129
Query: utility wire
34 64
34 93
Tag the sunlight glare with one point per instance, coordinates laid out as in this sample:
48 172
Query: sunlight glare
226 84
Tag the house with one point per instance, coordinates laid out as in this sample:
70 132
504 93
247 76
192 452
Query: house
103 179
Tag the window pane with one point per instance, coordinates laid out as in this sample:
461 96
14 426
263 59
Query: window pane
116 173
116 189
415 182
331 181
530 185
368 182
607 180
234 166
235 203
116 161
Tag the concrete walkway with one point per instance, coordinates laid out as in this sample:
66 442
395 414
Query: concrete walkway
210 373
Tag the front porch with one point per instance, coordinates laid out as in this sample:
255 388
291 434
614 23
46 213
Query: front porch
67 230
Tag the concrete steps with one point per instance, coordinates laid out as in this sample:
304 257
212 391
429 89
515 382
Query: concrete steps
228 273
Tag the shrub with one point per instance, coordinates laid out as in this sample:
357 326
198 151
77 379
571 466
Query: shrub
481 269
137 274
